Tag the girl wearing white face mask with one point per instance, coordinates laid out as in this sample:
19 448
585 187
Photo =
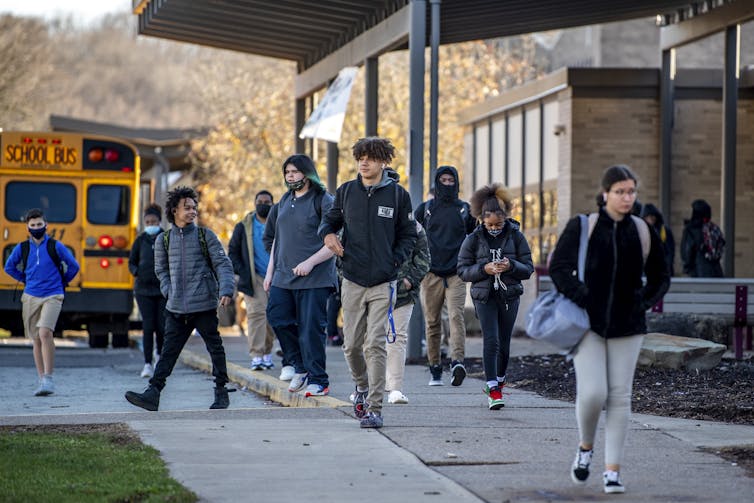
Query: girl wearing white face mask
147 287
495 258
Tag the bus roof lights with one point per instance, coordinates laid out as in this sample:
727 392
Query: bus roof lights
111 155
95 155
120 242
27 140
41 140
105 241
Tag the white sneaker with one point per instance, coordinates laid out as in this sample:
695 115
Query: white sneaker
46 386
256 363
267 362
298 382
287 373
396 396
613 485
147 371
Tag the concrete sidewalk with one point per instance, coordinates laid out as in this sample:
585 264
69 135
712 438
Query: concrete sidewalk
520 453
444 446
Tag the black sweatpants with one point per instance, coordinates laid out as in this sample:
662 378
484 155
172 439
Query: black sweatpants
496 318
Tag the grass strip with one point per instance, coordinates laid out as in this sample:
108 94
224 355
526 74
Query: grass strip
83 463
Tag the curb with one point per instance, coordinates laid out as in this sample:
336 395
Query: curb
262 383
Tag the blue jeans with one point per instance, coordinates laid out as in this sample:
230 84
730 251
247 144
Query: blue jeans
299 319
496 320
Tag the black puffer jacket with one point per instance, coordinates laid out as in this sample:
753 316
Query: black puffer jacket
475 253
141 265
612 294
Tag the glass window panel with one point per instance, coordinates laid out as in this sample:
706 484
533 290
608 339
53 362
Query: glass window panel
56 200
551 140
515 153
498 151
482 155
108 204
532 145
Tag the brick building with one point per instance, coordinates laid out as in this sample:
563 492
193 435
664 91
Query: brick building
549 141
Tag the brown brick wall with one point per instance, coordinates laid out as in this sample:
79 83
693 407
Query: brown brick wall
613 131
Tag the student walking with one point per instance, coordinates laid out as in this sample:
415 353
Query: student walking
45 267
616 300
147 287
495 258
447 220
300 276
702 243
196 277
378 235
250 260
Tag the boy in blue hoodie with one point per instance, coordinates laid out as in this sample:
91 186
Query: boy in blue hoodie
44 279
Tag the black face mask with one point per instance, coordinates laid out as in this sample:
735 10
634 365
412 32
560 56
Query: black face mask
38 233
445 192
263 209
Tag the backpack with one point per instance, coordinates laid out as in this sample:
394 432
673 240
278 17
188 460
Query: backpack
202 245
641 227
428 211
51 251
713 243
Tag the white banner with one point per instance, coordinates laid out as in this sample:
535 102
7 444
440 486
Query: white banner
326 122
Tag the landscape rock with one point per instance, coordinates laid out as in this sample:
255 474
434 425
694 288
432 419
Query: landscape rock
675 352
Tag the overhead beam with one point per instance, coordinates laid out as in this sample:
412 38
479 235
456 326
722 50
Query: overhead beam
704 25
382 38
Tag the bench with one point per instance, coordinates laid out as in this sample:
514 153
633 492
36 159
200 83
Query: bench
731 299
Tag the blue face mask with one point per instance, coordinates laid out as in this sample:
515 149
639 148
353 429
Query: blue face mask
152 229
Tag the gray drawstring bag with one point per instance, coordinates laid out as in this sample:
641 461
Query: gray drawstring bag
553 317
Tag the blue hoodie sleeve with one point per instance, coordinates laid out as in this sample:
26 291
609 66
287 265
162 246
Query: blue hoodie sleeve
11 265
72 267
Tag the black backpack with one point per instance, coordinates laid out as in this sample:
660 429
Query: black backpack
202 244
51 251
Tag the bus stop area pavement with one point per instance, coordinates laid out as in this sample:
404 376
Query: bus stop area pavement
445 445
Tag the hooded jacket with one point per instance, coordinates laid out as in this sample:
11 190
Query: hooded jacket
414 269
241 253
141 264
695 264
187 281
447 220
378 229
475 253
612 292
666 235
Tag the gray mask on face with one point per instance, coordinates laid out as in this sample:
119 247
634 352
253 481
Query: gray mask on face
493 232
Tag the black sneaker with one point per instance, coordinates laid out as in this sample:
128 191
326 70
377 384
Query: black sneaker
221 399
458 371
360 403
613 485
580 468
149 400
436 371
371 420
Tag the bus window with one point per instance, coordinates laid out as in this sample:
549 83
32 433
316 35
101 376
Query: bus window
108 204
57 200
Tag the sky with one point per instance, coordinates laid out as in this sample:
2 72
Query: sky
83 11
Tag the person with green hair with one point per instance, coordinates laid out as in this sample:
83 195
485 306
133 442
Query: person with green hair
300 275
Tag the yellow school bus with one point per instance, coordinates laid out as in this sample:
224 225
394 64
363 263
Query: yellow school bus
88 188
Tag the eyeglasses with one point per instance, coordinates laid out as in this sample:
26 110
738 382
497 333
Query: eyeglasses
621 192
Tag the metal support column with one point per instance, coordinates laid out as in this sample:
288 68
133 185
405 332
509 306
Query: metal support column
434 88
160 172
417 40
667 109
728 174
372 96
300 143
332 166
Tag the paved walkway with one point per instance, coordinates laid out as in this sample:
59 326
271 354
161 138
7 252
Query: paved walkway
445 445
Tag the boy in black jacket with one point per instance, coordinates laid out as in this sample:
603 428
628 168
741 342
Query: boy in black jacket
378 236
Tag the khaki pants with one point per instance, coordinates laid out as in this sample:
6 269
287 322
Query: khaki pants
364 318
396 351
40 312
259 333
434 293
